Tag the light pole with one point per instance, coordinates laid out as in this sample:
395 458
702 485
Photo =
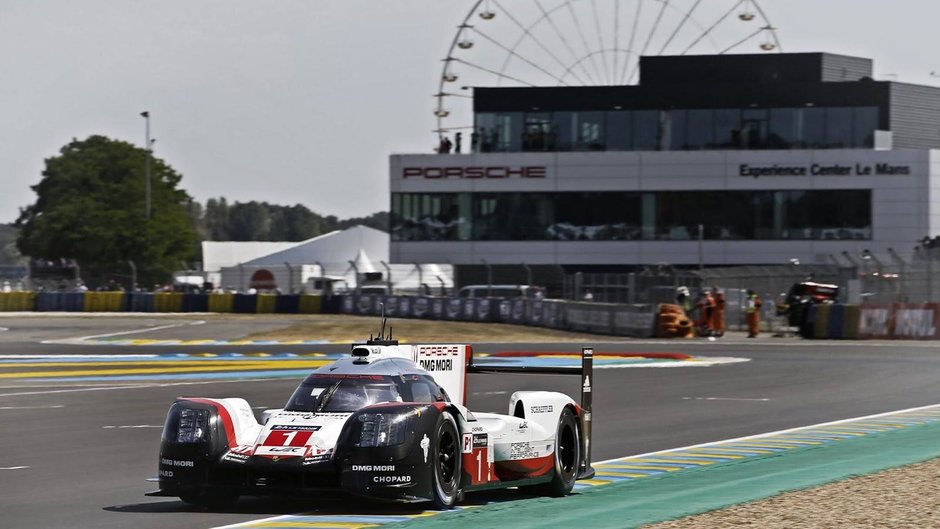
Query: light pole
146 116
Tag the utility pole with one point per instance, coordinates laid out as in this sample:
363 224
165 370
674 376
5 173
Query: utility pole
146 116
701 247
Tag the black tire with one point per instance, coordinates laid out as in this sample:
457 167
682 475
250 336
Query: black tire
209 498
446 463
567 455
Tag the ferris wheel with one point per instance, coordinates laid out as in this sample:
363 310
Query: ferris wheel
585 43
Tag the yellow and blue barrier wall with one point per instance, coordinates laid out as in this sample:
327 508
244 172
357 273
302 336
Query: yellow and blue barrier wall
163 302
17 301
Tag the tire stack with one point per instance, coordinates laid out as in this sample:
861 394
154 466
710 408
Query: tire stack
672 322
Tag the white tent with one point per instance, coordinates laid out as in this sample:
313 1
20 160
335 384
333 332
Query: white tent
333 255
219 254
362 262
333 250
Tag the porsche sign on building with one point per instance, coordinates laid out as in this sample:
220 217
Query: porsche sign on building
731 160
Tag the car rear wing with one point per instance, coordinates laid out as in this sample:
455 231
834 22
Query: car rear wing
586 372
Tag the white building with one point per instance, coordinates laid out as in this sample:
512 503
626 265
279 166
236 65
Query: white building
775 157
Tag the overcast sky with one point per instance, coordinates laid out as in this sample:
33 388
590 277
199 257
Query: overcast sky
302 101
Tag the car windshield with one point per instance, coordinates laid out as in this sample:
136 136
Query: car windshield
342 393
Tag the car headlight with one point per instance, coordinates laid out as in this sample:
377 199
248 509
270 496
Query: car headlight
382 429
194 426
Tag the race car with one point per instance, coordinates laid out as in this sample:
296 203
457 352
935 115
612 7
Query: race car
387 422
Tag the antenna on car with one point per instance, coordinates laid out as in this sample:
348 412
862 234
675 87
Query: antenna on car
382 339
384 321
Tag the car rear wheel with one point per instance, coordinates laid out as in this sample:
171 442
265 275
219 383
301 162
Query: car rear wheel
567 455
446 461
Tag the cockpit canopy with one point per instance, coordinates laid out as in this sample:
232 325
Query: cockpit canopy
346 393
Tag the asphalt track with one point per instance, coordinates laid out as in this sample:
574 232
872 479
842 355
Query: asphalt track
76 453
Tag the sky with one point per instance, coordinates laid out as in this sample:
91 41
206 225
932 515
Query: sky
303 101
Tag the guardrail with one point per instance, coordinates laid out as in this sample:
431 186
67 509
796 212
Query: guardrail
603 318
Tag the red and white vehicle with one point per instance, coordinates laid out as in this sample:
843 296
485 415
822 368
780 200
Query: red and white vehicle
388 422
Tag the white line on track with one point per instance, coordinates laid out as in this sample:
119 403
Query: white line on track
13 468
698 361
4 329
31 407
131 426
725 398
770 434
84 339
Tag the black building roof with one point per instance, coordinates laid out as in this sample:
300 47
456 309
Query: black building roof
763 68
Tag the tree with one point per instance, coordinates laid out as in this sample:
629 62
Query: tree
379 221
8 253
90 206
217 219
250 221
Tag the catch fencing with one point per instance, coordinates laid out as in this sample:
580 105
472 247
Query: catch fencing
603 318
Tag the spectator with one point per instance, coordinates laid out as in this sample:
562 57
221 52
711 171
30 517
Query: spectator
752 313
706 308
445 145
684 300
718 315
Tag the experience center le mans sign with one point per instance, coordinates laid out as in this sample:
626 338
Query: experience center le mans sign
474 172
503 172
816 169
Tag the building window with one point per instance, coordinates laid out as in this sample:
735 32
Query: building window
865 123
511 216
839 127
590 131
677 129
727 128
700 132
617 216
754 128
566 125
646 130
539 133
499 131
604 216
784 129
812 127
620 130
430 217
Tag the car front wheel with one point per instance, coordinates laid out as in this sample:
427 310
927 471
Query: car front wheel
446 463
